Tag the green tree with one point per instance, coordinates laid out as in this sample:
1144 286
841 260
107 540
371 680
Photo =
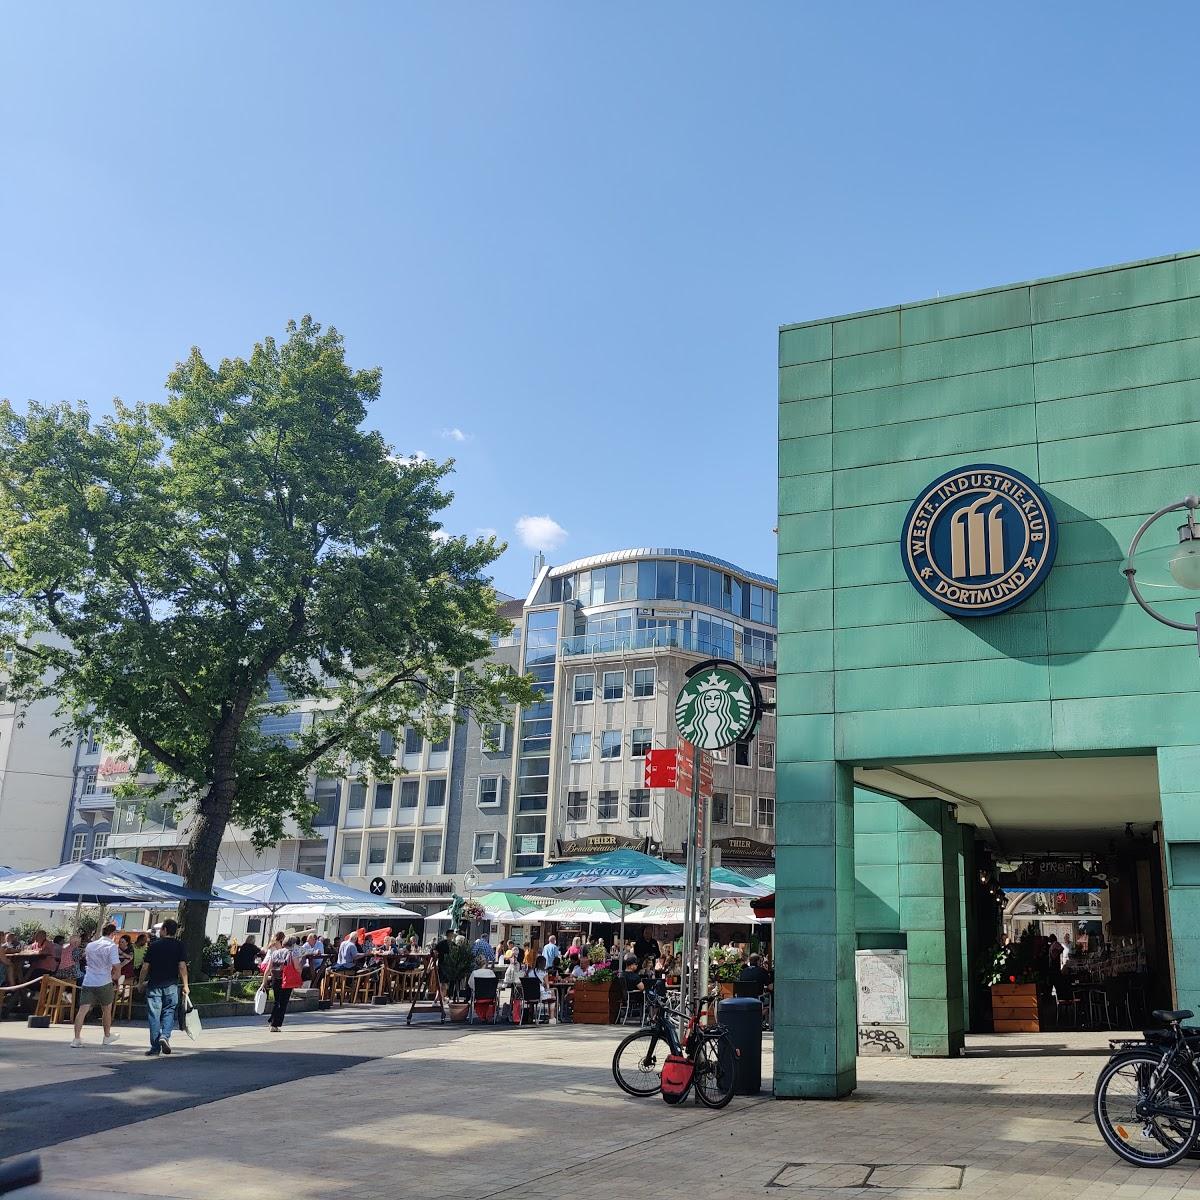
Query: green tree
160 565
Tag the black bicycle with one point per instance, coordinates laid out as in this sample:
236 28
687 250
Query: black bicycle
638 1060
1147 1103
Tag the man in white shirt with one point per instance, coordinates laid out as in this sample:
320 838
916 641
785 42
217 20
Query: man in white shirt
102 967
348 954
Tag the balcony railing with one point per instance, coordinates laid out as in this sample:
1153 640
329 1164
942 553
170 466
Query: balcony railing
660 639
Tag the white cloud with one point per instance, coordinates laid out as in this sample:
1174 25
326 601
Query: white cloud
440 535
541 533
455 434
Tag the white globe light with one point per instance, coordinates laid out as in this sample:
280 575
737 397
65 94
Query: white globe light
1185 566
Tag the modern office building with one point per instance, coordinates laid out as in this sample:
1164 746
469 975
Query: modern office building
969 698
607 640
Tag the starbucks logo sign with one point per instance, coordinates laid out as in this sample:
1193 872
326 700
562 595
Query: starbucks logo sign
716 707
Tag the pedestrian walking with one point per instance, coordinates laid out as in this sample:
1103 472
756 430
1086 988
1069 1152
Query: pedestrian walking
102 966
281 969
164 971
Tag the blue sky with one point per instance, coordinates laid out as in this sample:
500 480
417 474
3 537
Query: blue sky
568 232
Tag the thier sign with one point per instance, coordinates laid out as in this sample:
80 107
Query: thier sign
599 843
743 847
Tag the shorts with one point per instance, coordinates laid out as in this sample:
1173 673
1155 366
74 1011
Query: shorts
101 994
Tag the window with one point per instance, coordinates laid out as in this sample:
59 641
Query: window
742 755
351 853
387 744
766 755
431 853
93 742
766 812
439 747
643 683
402 856
639 804
327 794
358 797
492 737
87 781
581 747
614 685
383 796
718 755
409 792
78 847
435 793
610 743
412 741
584 687
484 854
768 694
720 803
377 849
100 845
606 806
577 806
640 741
489 791
741 809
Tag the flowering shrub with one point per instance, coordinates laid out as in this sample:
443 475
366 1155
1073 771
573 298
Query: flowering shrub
472 910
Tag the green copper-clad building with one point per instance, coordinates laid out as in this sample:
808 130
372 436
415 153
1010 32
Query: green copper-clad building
969 700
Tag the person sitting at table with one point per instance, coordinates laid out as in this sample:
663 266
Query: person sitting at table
247 956
312 959
582 968
43 955
348 953
633 979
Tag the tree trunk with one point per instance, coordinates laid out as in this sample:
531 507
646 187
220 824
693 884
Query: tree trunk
204 846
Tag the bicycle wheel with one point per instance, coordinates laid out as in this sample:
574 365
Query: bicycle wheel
1148 1113
637 1062
715 1064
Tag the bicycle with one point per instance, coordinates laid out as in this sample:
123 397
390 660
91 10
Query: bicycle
637 1061
1147 1100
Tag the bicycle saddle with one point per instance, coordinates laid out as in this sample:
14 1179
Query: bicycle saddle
1172 1014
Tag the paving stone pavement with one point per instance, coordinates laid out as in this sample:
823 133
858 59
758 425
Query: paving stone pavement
355 1102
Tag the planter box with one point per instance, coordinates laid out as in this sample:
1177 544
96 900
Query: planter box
1015 1008
597 1003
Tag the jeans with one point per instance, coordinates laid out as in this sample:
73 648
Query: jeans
161 1001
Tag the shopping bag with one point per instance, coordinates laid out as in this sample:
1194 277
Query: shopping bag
191 1020
260 1001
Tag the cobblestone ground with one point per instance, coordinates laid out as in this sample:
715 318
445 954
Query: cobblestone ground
355 1104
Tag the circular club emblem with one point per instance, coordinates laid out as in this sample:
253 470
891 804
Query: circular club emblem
378 886
715 708
979 540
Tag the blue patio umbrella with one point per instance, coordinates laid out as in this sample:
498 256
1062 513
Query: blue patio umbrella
277 887
85 882
175 884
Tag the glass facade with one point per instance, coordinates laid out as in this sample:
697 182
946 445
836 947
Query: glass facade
533 770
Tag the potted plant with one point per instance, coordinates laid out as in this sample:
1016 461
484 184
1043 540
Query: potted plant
455 966
1017 983
598 997
724 966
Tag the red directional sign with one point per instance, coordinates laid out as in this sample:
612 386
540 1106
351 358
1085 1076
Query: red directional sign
661 771
684 775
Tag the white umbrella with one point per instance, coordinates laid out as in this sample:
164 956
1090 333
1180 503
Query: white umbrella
300 912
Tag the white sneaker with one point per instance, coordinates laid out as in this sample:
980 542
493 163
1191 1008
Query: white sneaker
77 1041
109 1038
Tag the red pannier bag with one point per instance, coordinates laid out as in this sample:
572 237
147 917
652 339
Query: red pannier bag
676 1078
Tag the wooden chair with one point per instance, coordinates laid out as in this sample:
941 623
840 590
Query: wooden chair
56 1000
366 986
435 1002
337 987
123 1000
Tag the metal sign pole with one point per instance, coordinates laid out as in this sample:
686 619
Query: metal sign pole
688 976
703 808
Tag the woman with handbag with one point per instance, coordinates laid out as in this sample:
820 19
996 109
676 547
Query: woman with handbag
281 968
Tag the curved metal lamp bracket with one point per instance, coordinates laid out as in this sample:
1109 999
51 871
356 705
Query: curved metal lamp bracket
1191 503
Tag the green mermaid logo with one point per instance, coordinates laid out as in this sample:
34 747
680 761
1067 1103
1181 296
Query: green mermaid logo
714 709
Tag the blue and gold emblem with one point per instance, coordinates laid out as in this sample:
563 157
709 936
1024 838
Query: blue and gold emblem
979 540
